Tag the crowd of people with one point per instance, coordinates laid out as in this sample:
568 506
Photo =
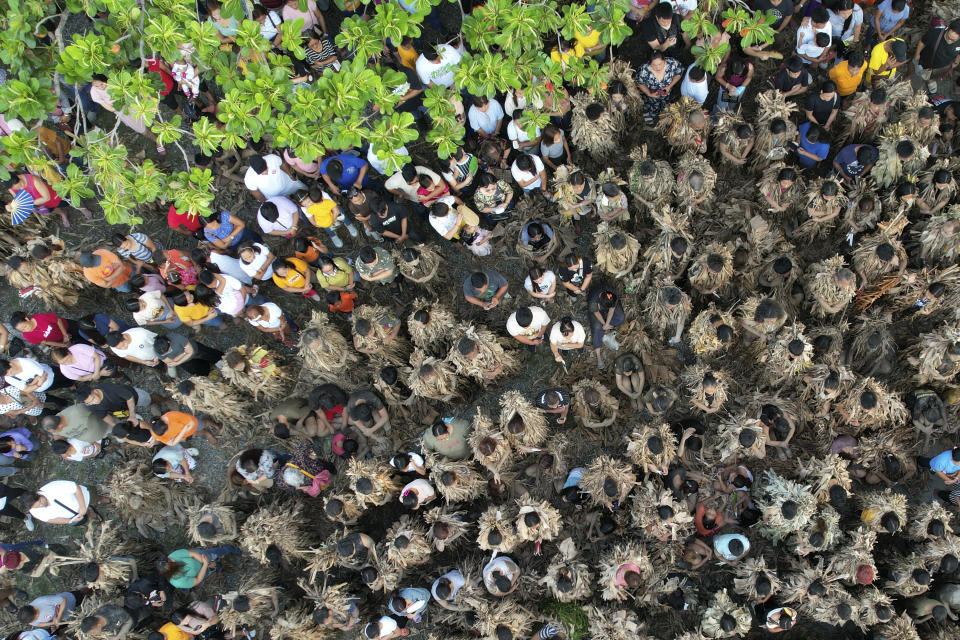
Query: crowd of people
531 390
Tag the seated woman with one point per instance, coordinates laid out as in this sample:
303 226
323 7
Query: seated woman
493 198
255 469
174 463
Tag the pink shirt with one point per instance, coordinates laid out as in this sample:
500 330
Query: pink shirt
306 167
292 13
84 363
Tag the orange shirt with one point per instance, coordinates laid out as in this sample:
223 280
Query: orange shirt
346 304
178 423
173 632
109 264
846 83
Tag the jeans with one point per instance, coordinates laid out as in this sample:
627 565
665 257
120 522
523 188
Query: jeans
216 321
19 546
247 235
214 554
596 327
724 105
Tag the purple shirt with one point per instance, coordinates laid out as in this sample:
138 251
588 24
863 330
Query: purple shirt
20 435
84 363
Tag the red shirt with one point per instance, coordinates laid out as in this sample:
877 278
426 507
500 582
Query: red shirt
46 329
154 65
175 220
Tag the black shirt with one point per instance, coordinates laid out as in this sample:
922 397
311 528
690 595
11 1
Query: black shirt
653 31
593 301
115 397
151 585
781 12
136 434
392 222
576 277
937 52
821 108
783 81
542 398
413 80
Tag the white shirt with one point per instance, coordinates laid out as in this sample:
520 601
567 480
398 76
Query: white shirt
82 450
485 121
549 277
540 320
682 6
563 342
275 182
519 175
230 266
397 183
141 344
697 91
153 302
439 73
286 210
416 460
387 626
836 23
252 268
446 223
504 565
456 581
271 22
30 369
232 299
63 491
377 163
425 491
273 322
517 134
808 46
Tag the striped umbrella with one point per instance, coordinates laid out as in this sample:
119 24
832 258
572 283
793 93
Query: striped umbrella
21 207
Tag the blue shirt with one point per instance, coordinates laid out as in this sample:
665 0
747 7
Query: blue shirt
847 159
351 169
223 230
889 17
573 479
943 463
819 149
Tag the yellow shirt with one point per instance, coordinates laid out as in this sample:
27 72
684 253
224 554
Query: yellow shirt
173 632
846 83
878 57
322 213
195 311
577 52
294 278
589 41
408 56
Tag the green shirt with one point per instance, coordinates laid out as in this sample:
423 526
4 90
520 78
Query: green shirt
455 446
187 575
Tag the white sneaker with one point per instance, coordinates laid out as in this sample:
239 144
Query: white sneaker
352 230
28 523
337 242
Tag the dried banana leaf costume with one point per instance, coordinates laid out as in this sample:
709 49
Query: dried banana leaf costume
432 378
772 147
869 257
568 579
825 290
220 515
731 437
721 609
372 482
890 168
616 251
712 269
456 481
663 316
688 191
296 623
703 336
907 576
379 344
608 480
794 588
883 510
262 598
536 521
821 473
789 355
283 524
218 400
822 534
499 520
103 546
787 506
446 527
513 408
822 212
58 279
503 614
607 623
934 361
615 568
257 372
652 447
658 515
872 345
406 545
491 361
900 628
939 238
327 354
864 120
589 415
490 447
789 198
595 128
342 508
747 575
725 132
923 131
869 404
423 269
139 497
694 380
684 126
651 181
435 333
